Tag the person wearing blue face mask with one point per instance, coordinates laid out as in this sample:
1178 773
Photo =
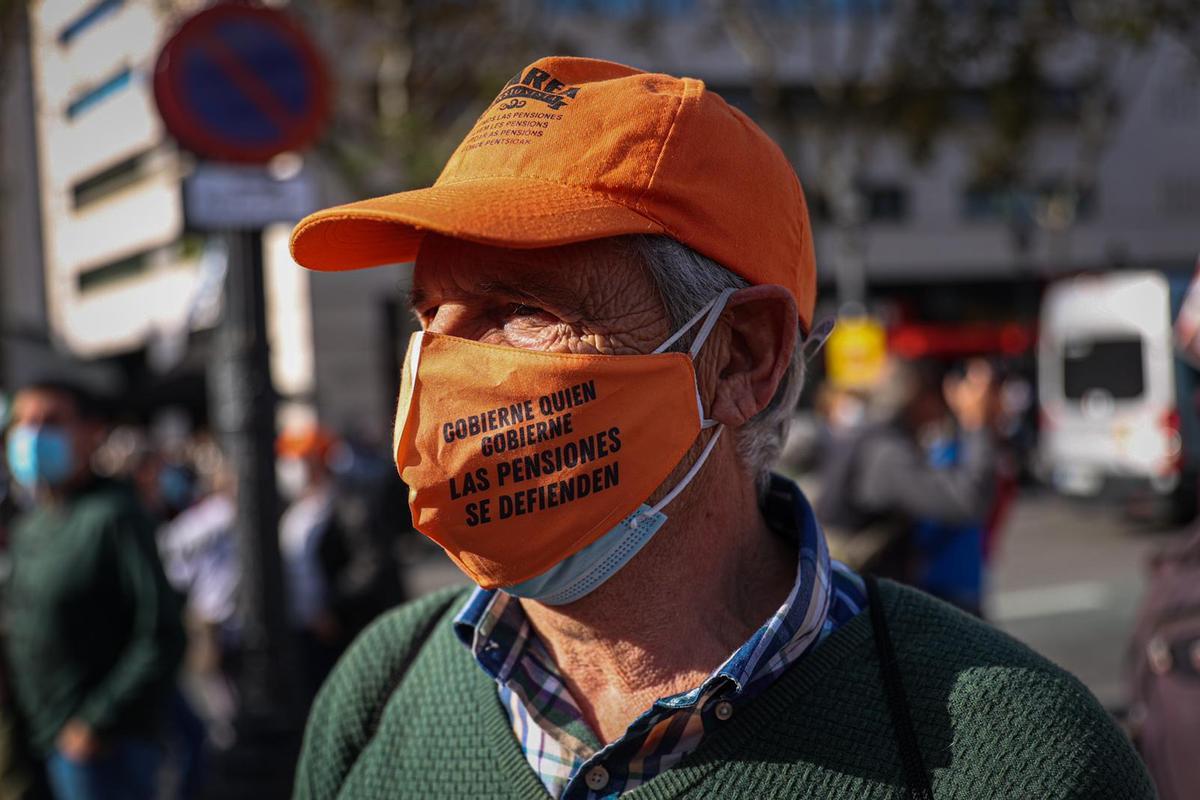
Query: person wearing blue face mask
94 631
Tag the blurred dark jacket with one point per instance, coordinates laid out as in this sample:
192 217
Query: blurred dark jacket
94 630
877 483
357 555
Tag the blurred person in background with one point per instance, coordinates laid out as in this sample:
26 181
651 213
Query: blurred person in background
836 412
841 412
1017 431
611 286
306 484
168 486
94 636
371 523
20 775
200 555
893 512
948 558
953 559
337 540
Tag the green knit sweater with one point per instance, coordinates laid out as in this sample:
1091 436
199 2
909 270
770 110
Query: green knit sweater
994 720
94 629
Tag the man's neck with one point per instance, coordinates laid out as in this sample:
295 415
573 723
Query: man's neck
704 583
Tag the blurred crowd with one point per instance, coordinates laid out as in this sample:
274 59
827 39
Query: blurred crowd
122 576
916 468
121 571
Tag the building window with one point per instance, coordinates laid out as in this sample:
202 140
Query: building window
886 203
882 202
97 93
114 271
987 202
109 181
93 14
993 202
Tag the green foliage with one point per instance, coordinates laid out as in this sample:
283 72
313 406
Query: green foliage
411 77
920 68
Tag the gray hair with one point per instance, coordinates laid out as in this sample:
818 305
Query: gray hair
686 282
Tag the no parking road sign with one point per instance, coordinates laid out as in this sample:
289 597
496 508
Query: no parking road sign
241 83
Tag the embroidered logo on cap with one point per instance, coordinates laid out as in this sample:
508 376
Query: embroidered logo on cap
536 84
505 123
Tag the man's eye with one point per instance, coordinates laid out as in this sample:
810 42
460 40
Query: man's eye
523 310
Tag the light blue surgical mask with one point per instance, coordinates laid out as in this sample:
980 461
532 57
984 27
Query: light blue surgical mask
577 576
40 456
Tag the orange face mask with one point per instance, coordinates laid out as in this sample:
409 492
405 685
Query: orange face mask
517 460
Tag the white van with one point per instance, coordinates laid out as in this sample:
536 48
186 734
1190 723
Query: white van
1117 407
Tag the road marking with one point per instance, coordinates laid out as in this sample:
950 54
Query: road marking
1048 601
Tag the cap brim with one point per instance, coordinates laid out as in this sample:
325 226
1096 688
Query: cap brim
500 211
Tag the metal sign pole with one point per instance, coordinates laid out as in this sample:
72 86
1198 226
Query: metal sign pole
243 401
243 83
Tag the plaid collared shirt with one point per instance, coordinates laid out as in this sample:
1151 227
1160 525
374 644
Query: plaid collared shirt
559 744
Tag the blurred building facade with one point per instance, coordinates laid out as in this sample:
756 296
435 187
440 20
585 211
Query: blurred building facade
934 223
942 251
104 267
122 271
118 266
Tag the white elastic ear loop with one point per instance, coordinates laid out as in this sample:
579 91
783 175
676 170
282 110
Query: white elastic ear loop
817 339
691 473
713 309
415 353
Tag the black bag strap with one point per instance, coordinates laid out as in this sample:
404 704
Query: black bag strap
915 774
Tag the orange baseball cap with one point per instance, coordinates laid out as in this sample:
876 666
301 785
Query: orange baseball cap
574 149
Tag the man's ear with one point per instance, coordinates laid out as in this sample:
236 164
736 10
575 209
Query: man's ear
762 324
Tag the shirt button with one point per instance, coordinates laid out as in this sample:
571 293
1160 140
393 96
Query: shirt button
596 778
724 710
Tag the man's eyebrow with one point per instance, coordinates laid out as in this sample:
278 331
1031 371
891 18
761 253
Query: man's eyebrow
543 296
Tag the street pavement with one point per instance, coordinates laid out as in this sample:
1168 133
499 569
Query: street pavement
1067 580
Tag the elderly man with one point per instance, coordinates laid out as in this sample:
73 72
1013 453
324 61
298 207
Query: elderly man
612 276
